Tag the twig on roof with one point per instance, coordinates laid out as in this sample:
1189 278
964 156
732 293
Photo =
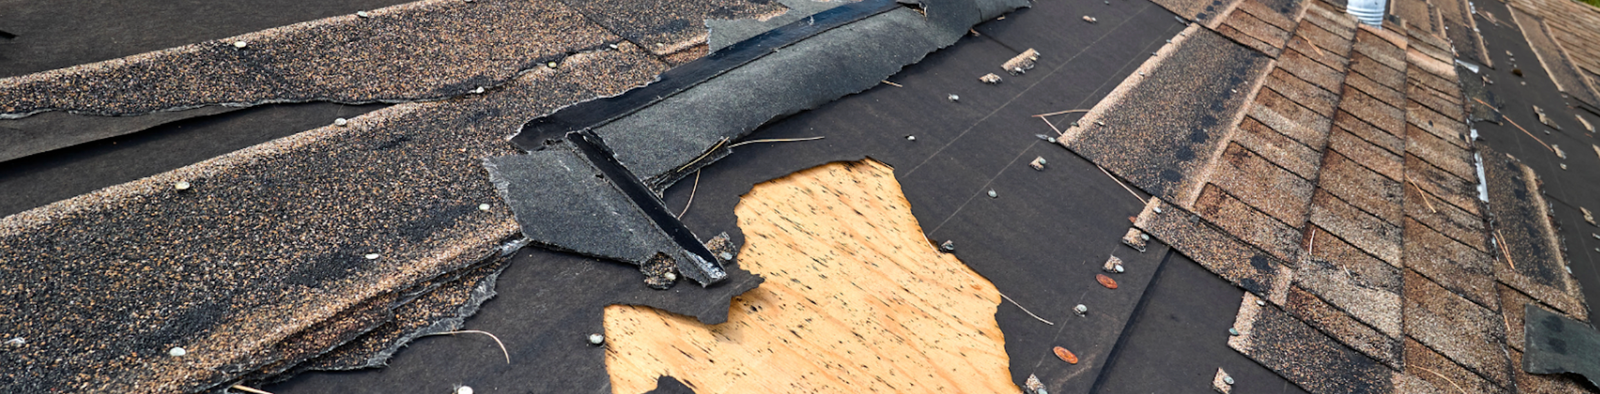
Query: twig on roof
776 140
1446 378
702 156
1124 185
886 82
1052 126
491 336
1070 111
1313 246
1424 194
691 194
247 389
1505 249
1025 310
1514 123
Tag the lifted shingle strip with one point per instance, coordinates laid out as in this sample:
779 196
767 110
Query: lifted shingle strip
1165 150
1377 71
1447 376
1323 56
595 113
1354 281
1235 261
343 59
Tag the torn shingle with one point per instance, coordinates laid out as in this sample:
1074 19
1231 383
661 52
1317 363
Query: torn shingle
1557 344
1443 185
563 202
670 138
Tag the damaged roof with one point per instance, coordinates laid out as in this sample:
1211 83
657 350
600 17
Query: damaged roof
1317 204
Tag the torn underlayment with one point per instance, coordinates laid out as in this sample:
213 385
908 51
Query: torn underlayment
653 136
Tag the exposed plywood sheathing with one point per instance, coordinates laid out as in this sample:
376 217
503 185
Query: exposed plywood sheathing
856 300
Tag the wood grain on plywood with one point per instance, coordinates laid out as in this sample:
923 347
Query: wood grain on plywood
855 300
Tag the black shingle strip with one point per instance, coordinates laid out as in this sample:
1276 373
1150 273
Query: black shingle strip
1558 344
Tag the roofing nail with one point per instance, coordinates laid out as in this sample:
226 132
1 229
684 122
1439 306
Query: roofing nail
911 138
1081 309
181 186
177 352
726 256
596 339
948 246
992 194
341 122
1233 331
551 64
1051 139
1157 209
1228 380
483 207
240 44
363 14
1038 163
372 256
1118 268
1089 19
479 90
18 341
463 389
671 277
613 46
1144 237
955 97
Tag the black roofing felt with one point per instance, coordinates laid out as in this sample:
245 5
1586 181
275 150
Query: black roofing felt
1040 241
1566 189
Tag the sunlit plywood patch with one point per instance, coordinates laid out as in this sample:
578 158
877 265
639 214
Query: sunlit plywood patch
856 300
